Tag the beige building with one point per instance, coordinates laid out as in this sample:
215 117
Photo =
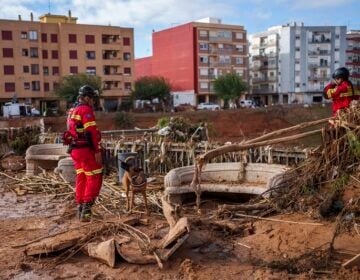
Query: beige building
36 54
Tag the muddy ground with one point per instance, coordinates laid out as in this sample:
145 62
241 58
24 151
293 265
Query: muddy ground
258 250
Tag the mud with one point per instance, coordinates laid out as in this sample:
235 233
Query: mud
207 254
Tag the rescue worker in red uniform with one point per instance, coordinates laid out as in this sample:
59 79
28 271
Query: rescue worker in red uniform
341 90
84 138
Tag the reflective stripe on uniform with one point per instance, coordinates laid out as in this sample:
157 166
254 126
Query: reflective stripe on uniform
348 93
76 117
93 172
330 92
80 170
79 130
86 125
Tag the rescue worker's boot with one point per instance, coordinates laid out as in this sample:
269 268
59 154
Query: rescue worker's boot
79 210
86 213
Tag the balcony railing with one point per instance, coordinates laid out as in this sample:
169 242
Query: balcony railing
319 77
318 53
263 90
318 65
264 79
219 39
319 41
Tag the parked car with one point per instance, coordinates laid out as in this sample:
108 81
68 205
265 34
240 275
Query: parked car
247 103
208 106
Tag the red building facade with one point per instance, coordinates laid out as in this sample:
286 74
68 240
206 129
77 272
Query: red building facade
193 55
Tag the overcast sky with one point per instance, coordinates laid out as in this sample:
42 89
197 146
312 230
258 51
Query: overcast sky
146 15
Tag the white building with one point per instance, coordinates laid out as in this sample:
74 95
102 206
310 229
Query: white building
292 63
353 57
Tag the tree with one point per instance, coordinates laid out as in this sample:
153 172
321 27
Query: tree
229 87
151 87
69 85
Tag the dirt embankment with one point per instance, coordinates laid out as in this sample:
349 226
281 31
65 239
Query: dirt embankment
225 125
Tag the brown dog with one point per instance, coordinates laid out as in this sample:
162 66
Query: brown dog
134 180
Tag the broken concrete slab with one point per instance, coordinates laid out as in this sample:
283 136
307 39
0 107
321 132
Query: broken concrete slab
103 251
131 253
180 229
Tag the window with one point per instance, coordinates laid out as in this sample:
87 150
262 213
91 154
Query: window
46 71
239 35
53 38
33 35
8 52
203 33
9 87
336 49
204 85
54 54
239 48
91 70
44 37
127 71
89 39
72 38
127 56
337 36
297 37
6 35
73 69
35 69
34 52
55 70
297 85
126 41
90 54
24 35
26 85
204 59
35 85
73 54
44 54
204 46
9 70
239 60
297 49
46 87
127 86
26 69
203 71
25 52
55 85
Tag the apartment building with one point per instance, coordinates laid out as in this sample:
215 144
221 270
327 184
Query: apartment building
292 63
36 54
191 56
353 57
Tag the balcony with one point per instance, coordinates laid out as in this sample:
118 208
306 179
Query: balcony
268 44
110 54
262 91
319 41
220 39
257 80
353 50
354 63
111 70
315 77
319 53
318 65
110 39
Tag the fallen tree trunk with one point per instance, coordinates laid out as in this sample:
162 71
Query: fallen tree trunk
205 158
